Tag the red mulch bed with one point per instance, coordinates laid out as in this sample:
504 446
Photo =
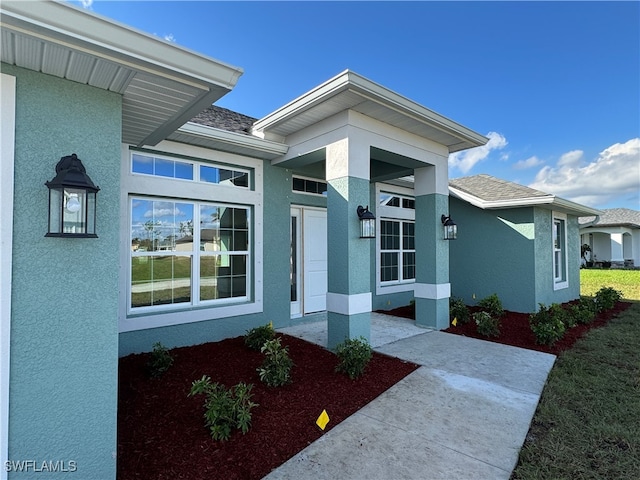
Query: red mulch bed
515 329
161 432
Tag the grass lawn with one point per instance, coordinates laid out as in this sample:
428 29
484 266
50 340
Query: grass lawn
587 424
626 281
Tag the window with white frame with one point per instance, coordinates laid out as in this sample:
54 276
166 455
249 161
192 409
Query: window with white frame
185 252
188 249
559 234
396 239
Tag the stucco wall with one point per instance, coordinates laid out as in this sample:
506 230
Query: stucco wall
494 253
63 385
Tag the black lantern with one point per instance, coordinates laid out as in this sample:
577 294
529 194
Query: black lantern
367 222
72 201
450 228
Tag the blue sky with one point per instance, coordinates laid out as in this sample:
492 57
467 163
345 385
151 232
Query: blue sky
554 85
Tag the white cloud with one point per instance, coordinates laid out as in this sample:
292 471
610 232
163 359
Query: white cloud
528 163
170 38
86 4
465 160
615 174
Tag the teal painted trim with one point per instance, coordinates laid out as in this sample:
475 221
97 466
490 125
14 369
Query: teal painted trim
349 256
64 339
342 327
432 313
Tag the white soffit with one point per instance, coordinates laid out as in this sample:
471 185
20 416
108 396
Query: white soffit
163 85
351 91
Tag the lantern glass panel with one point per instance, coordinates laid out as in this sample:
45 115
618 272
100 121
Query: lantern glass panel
74 211
55 210
368 228
91 213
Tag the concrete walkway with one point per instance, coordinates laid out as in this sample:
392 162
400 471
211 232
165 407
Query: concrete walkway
464 414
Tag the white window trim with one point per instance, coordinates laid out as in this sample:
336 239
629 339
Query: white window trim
152 186
391 213
7 133
559 285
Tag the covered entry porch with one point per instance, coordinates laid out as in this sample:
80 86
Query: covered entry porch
354 135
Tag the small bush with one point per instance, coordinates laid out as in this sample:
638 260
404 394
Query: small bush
606 298
488 326
275 371
160 360
255 338
584 311
492 305
547 325
225 409
354 355
564 315
458 310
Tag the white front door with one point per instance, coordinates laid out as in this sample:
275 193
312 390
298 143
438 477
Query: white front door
308 260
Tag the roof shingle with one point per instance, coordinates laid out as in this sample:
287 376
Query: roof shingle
492 189
225 119
615 217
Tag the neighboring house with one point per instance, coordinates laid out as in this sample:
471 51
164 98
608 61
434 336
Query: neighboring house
613 237
517 242
208 222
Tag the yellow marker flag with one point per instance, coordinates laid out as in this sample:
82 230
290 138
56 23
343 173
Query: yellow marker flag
271 324
455 321
474 296
323 419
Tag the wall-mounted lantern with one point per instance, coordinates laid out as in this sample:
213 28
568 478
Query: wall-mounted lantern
450 228
367 222
72 201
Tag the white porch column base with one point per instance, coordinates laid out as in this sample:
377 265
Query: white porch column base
432 291
349 304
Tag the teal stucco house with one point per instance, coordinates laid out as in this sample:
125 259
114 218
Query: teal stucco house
517 242
206 222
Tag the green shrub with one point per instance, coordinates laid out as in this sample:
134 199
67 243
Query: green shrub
488 326
584 311
225 409
564 315
606 298
275 371
547 325
160 360
255 338
458 310
492 305
354 355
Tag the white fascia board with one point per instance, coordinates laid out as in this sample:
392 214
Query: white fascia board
66 25
349 80
575 208
234 139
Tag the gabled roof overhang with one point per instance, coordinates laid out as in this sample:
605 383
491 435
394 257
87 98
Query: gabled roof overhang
548 201
223 140
350 91
163 85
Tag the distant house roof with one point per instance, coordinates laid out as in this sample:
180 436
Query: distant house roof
487 192
613 217
225 119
